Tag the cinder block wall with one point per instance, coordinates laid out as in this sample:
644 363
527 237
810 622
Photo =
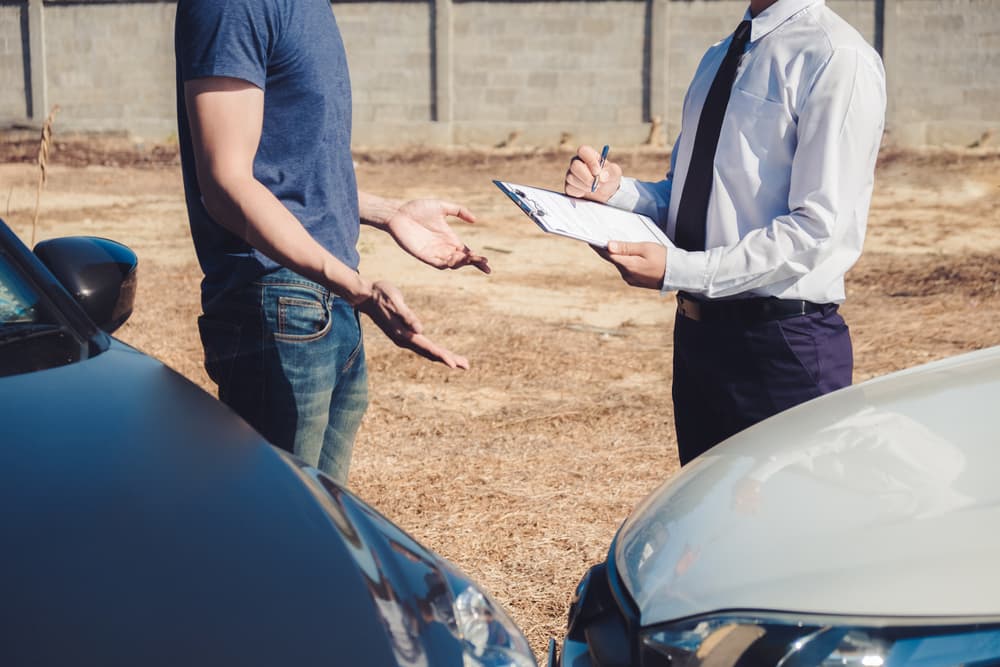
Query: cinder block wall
473 71
14 100
697 24
546 67
943 62
694 26
111 66
389 51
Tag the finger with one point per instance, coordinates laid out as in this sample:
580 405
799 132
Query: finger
398 312
427 348
578 179
582 172
406 320
623 248
466 258
603 252
480 263
591 158
457 211
574 189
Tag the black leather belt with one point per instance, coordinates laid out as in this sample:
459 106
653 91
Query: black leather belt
756 309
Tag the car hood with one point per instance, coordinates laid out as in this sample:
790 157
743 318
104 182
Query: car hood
144 523
879 499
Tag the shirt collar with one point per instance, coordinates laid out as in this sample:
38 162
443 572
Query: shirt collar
772 17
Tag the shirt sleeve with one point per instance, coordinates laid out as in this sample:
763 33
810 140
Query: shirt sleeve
651 199
648 198
231 38
839 131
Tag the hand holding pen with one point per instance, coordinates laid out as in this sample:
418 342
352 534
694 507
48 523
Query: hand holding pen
591 175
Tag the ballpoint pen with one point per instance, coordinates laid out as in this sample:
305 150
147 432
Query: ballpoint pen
604 157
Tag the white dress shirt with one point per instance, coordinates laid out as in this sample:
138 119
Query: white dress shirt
794 167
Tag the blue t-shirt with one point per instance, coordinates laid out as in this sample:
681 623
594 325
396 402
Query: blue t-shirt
292 50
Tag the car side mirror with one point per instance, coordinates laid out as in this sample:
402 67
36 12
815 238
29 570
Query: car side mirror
99 273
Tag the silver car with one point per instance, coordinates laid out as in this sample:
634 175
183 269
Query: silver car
861 528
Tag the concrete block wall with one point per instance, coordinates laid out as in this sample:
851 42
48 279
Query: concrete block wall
111 66
694 26
943 68
14 100
859 13
473 71
542 68
389 54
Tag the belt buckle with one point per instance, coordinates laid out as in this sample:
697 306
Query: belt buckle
688 308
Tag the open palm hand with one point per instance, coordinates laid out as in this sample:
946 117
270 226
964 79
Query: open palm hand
420 227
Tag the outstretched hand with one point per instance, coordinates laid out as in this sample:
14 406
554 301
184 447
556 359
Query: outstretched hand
390 313
420 228
640 264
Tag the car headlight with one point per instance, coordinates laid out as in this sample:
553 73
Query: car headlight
489 637
766 640
486 634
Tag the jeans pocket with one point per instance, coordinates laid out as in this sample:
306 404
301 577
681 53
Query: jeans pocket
221 342
358 350
301 317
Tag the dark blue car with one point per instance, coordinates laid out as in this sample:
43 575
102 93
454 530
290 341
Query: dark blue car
143 523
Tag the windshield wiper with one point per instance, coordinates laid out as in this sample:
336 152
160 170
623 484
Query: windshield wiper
12 332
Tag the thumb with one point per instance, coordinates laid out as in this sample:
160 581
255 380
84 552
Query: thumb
623 248
458 211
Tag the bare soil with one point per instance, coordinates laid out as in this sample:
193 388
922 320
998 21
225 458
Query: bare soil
521 469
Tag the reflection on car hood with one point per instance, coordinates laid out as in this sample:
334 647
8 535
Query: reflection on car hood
143 523
878 499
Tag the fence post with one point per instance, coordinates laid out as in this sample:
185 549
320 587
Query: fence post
38 86
442 68
659 61
890 55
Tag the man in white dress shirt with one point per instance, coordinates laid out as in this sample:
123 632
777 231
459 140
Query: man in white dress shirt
766 205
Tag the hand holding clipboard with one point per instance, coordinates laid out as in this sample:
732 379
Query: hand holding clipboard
581 219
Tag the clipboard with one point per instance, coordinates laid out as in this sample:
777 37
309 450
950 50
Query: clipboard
581 219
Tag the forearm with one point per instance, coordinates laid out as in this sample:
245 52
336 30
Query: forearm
249 210
376 211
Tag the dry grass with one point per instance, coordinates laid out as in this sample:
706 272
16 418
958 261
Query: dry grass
44 145
521 469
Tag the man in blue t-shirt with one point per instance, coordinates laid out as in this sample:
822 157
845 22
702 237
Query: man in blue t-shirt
264 118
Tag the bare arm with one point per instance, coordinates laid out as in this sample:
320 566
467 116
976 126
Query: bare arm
226 118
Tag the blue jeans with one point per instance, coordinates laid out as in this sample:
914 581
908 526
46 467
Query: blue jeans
288 357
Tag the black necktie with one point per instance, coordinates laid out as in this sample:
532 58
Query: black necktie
690 230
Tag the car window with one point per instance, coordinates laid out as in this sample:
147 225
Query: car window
33 334
18 302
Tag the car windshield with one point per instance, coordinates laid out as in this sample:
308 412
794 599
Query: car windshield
19 304
33 335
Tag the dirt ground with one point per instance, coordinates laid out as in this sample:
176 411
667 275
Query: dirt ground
521 469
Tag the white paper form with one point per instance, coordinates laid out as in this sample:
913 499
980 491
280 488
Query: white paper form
582 219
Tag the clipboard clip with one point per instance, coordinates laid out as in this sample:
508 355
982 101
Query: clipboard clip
530 206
